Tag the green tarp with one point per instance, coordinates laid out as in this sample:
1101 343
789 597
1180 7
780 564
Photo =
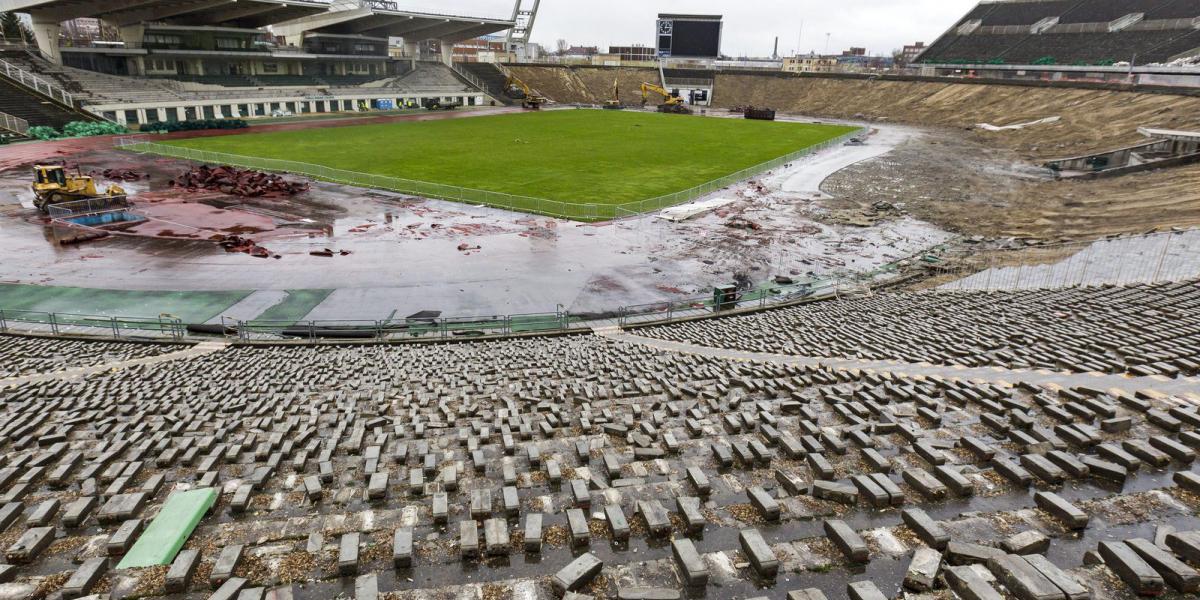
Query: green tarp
167 533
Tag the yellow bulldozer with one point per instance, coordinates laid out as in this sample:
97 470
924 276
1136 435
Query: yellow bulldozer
52 185
672 103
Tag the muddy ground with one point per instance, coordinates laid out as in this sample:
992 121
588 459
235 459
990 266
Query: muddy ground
967 184
396 254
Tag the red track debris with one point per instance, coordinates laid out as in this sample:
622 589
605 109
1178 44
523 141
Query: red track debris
238 182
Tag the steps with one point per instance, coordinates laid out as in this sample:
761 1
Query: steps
491 76
19 102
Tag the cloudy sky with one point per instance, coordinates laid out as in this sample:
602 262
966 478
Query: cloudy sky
750 25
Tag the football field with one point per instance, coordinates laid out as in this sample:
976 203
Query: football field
569 156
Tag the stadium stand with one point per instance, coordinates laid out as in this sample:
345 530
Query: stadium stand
1104 11
366 466
25 356
1143 330
1071 32
22 103
1019 13
492 77
179 59
1178 9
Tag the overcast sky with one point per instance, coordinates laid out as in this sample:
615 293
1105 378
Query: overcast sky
750 25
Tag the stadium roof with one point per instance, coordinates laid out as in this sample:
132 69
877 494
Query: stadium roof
385 19
227 13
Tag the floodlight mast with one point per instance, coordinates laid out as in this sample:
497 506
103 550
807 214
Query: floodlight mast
523 19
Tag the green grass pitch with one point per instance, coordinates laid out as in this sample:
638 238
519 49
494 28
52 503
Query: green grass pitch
574 156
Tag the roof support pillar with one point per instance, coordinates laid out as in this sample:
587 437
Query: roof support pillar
46 33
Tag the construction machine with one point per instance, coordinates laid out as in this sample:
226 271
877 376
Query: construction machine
615 102
52 185
672 103
436 104
517 90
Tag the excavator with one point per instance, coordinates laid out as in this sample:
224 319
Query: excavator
615 102
52 185
517 90
672 103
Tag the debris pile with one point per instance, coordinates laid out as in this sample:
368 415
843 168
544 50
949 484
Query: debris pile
237 243
123 175
238 182
327 253
743 223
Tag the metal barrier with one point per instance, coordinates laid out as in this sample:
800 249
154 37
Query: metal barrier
13 124
29 321
433 328
36 83
554 208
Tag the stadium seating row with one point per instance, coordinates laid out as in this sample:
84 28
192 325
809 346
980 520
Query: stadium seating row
28 356
1142 46
531 467
1026 12
100 88
1144 330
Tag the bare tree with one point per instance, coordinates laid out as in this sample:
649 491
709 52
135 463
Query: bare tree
562 47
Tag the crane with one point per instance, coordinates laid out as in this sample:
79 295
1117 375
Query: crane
672 103
517 90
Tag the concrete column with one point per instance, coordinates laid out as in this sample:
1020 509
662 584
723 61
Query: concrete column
448 53
162 113
45 33
132 35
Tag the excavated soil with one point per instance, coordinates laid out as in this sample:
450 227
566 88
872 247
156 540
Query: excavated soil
1091 119
970 187
586 85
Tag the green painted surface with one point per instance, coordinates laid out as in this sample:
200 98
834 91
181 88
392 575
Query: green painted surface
294 308
191 307
174 524
580 156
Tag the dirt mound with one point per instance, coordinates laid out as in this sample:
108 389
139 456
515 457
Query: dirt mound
586 85
1090 119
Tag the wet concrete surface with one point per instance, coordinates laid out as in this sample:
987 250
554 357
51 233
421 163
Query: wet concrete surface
403 254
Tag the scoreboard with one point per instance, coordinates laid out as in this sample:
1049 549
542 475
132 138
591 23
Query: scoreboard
696 36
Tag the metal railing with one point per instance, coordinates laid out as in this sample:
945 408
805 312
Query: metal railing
36 83
31 321
435 328
471 79
578 211
13 124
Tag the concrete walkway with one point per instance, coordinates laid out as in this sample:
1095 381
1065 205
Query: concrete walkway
200 349
1175 391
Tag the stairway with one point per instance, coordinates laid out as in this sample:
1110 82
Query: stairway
491 76
21 102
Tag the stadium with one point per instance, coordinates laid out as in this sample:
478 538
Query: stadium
366 299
